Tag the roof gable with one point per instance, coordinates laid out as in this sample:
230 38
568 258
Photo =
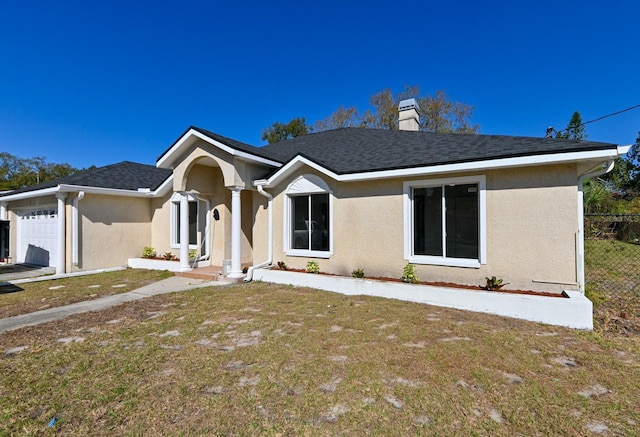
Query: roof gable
233 147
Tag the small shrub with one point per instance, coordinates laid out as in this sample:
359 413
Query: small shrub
193 254
168 256
494 284
409 274
312 267
148 252
283 266
359 273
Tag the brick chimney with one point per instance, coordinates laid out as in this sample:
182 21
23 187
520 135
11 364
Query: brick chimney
408 117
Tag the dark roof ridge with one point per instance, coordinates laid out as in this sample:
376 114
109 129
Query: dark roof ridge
230 142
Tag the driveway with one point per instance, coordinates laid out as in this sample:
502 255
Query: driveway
11 272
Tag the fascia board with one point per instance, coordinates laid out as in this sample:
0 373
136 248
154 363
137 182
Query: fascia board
165 159
622 150
30 194
64 188
295 164
556 158
105 191
163 189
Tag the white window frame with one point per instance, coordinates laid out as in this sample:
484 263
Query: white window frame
175 218
306 184
408 187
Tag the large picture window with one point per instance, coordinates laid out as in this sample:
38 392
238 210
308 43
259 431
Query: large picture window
308 220
444 222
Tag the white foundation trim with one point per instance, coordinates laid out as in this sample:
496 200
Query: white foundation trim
573 311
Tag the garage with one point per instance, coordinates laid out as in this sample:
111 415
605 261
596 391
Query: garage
37 235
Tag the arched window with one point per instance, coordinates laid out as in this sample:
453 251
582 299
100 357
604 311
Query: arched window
308 218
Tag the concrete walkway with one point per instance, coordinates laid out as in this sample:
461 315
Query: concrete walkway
168 285
12 272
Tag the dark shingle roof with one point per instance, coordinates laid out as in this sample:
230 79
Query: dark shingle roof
234 144
343 151
125 175
354 150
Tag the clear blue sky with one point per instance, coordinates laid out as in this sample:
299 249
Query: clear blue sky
96 82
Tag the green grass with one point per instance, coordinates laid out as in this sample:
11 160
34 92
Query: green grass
34 296
263 359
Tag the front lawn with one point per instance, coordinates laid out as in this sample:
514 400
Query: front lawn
34 296
264 359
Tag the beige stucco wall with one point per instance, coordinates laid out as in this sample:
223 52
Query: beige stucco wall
531 229
112 229
161 225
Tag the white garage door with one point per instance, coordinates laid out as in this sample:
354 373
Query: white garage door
37 235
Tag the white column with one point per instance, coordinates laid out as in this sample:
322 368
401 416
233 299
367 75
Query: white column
236 234
60 255
75 229
184 233
3 210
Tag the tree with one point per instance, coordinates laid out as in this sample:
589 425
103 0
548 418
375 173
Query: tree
633 159
343 117
19 172
443 115
280 131
437 113
385 108
625 176
574 130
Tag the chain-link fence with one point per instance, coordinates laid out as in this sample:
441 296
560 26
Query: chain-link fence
612 270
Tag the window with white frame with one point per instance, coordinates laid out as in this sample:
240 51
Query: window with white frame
308 218
445 221
196 222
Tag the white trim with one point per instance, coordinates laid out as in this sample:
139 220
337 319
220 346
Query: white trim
407 204
64 188
164 159
20 212
306 184
555 158
61 261
184 232
236 233
174 203
622 150
75 229
573 311
31 194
